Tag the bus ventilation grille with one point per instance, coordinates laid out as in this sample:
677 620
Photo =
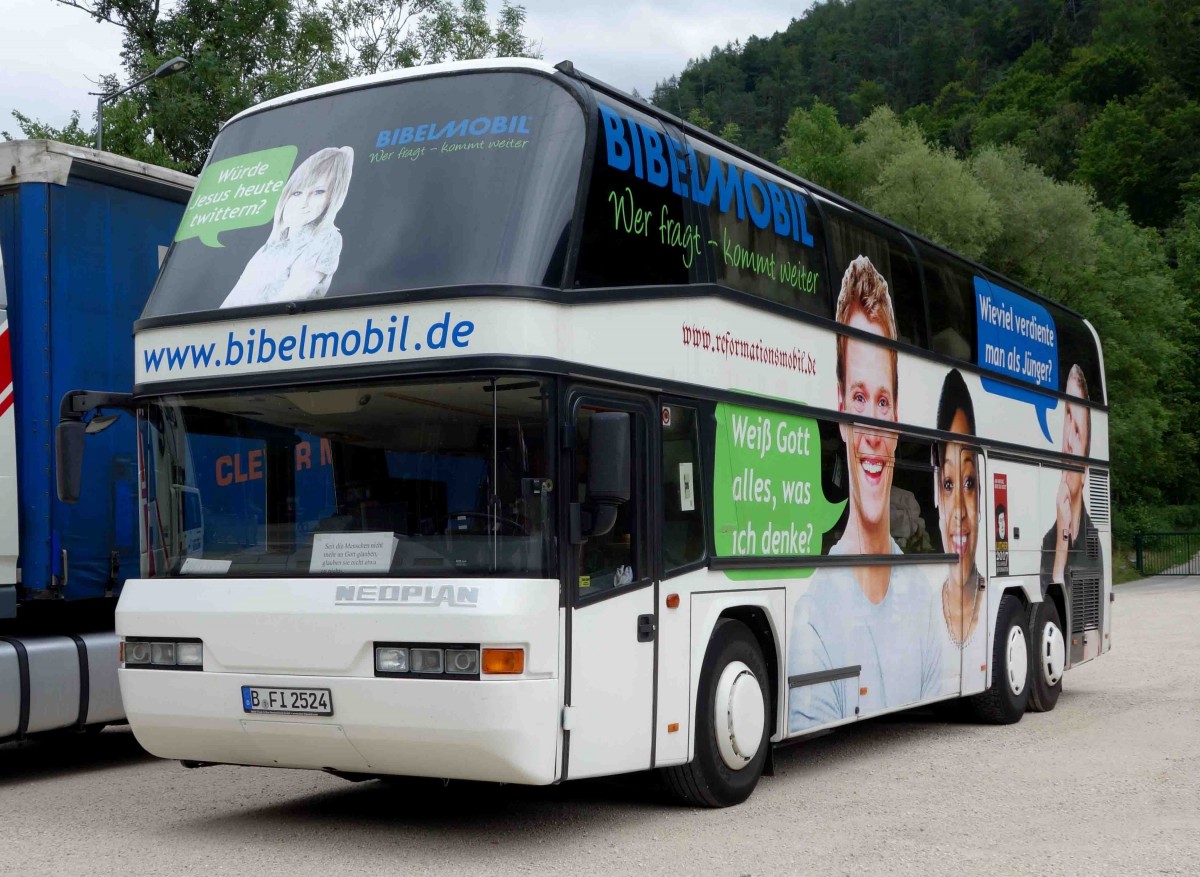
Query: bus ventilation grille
1098 506
1085 602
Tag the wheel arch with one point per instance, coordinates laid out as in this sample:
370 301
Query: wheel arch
1027 592
763 612
1057 595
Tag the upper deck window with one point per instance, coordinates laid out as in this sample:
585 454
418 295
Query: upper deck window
666 209
950 289
444 181
888 254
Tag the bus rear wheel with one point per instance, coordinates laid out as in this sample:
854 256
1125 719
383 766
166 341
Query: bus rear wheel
732 722
1005 701
1049 658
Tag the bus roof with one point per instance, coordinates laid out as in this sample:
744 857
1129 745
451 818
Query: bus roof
567 68
531 64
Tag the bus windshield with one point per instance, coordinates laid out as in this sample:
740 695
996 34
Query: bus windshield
432 479
380 189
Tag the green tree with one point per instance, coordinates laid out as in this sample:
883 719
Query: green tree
32 129
815 147
377 35
1183 246
895 171
869 95
932 191
1046 228
1139 152
732 132
700 119
1131 299
243 52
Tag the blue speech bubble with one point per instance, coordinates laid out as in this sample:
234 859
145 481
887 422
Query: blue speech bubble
1017 338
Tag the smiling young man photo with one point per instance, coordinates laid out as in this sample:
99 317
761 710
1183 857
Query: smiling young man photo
880 618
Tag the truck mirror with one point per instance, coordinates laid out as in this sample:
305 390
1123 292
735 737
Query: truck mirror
68 448
101 422
609 454
71 431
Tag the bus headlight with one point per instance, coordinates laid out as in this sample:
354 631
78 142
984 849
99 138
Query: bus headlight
189 654
426 660
160 653
136 653
451 661
462 662
391 660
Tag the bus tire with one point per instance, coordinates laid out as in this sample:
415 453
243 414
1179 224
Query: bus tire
1049 656
732 722
1005 701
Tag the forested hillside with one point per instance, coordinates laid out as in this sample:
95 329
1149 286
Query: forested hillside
1055 140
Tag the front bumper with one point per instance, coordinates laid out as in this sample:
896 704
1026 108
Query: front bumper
490 730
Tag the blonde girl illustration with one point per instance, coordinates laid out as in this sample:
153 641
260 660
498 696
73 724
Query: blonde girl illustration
300 256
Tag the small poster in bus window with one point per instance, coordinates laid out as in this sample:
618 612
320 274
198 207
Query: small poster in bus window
352 552
1000 489
687 488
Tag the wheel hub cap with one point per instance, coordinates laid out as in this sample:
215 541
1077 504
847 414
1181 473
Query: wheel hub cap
739 715
1018 660
1054 653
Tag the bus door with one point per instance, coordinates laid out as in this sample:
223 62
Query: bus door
974 513
613 625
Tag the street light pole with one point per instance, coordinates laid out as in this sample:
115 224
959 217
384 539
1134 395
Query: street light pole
167 68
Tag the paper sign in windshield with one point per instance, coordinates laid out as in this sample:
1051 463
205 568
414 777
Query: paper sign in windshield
238 192
352 552
1018 339
200 566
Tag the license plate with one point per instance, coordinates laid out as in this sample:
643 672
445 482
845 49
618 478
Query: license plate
295 701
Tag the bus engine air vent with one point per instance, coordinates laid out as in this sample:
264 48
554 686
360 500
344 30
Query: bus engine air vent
1085 602
1098 500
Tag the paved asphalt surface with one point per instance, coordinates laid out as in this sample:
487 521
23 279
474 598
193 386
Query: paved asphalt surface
1108 783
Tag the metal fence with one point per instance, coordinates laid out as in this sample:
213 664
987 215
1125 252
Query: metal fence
1168 554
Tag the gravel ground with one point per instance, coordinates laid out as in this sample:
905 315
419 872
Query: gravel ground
1108 783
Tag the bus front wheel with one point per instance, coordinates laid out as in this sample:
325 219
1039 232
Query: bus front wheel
1005 702
732 722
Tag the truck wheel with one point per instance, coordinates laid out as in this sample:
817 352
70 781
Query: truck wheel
1049 656
732 733
1004 703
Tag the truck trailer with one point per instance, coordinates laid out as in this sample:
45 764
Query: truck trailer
82 234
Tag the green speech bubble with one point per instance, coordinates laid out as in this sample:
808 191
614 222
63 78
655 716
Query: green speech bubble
238 192
767 497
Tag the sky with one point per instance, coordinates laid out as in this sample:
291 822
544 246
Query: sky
51 55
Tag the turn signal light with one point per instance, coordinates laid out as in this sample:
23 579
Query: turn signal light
508 661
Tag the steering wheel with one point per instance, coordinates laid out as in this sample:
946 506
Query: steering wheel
507 526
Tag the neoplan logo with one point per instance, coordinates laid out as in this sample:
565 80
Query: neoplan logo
407 595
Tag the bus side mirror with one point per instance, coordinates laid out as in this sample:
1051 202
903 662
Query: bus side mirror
68 452
609 466
608 458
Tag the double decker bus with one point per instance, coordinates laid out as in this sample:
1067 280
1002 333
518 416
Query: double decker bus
496 425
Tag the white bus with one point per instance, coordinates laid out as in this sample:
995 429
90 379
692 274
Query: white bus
496 425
